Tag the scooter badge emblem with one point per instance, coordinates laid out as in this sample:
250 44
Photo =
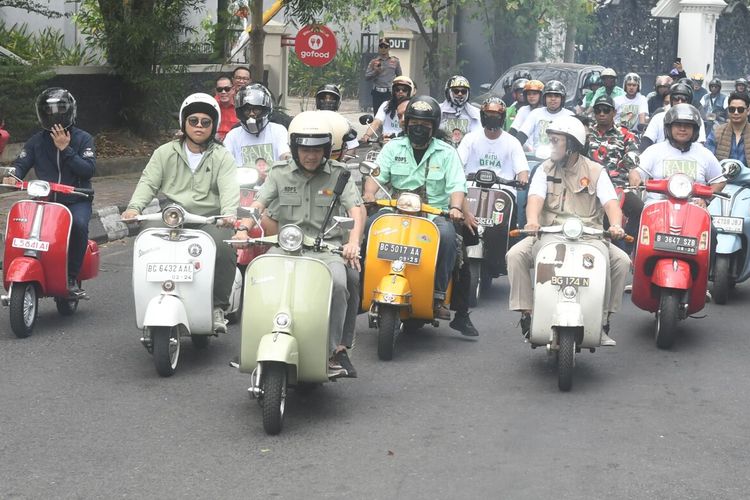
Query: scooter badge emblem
499 205
405 223
588 261
195 250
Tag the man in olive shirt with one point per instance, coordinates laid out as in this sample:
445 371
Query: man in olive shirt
381 71
299 192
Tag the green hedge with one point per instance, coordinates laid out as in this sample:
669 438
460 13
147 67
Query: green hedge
342 71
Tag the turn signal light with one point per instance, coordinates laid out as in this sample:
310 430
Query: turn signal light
645 236
703 242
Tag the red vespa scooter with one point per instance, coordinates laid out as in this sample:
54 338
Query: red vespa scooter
671 265
249 178
36 254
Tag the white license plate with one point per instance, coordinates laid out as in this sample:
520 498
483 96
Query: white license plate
728 224
42 246
174 272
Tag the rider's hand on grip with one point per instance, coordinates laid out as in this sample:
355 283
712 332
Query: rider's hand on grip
616 232
531 227
129 215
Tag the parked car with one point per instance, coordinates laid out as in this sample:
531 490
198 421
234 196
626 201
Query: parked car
572 75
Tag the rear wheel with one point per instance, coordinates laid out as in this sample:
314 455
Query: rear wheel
388 324
166 341
566 339
722 279
200 341
66 307
475 287
274 396
666 318
23 308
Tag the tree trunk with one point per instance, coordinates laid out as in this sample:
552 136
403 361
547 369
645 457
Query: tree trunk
257 35
570 43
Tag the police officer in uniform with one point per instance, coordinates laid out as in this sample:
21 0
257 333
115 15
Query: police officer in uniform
381 71
299 191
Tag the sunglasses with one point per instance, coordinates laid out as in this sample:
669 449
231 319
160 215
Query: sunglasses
223 89
460 91
678 99
738 109
602 110
383 46
400 88
194 121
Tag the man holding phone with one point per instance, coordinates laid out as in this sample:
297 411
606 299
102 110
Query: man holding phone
381 71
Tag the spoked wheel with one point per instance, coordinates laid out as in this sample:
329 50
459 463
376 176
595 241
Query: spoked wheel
666 318
200 341
274 396
66 307
166 342
23 308
722 279
388 325
566 339
475 287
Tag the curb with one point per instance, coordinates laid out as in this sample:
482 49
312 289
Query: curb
105 224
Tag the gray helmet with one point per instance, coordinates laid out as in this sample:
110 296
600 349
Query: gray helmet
683 89
455 82
682 113
714 82
740 81
254 95
632 78
554 87
324 104
519 84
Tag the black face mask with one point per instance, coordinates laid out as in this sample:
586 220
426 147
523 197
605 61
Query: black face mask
419 135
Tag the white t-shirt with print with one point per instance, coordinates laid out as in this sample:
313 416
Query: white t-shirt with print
635 106
605 190
520 117
535 125
391 126
503 155
655 129
247 149
467 120
661 160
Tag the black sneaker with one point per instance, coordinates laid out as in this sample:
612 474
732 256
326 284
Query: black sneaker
342 357
525 324
462 323
73 288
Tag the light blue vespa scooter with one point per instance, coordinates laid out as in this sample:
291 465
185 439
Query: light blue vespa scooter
731 218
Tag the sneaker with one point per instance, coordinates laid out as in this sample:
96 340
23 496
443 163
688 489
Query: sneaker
73 288
342 358
525 324
220 324
628 288
463 324
709 297
441 312
335 369
606 340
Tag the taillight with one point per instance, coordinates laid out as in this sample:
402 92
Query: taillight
645 236
703 243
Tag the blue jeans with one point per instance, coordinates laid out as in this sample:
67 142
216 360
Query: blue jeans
79 235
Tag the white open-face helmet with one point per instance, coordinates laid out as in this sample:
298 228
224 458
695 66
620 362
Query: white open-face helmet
571 127
200 103
309 128
341 130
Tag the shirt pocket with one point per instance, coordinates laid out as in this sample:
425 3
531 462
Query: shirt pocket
436 183
290 208
554 200
399 174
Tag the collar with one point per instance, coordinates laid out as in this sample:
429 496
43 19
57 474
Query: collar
325 168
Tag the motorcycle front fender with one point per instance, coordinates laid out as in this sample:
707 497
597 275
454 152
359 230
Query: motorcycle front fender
568 314
672 273
25 269
165 310
279 347
728 243
395 286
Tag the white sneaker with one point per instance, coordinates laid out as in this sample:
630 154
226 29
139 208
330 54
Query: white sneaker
220 324
607 341
628 288
709 297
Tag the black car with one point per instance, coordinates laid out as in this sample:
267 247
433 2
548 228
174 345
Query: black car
572 75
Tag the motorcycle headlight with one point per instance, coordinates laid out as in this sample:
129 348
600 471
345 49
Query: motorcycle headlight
569 292
680 186
282 320
173 216
290 238
397 266
409 202
573 228
247 176
38 189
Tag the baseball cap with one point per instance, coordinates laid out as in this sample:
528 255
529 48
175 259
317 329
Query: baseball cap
604 100
384 40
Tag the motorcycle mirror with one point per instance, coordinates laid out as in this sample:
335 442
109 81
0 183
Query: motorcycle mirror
366 119
8 171
730 168
369 168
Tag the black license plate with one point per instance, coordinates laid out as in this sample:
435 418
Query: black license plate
679 244
570 281
394 251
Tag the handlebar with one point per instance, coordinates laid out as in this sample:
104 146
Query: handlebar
54 187
514 233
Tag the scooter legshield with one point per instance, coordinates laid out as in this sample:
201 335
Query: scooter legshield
301 287
728 243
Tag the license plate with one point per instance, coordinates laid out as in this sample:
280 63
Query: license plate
728 224
570 281
41 246
174 272
394 251
679 244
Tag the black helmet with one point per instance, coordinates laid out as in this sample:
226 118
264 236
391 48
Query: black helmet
423 107
56 106
254 95
682 113
492 104
324 104
457 81
520 84
554 87
521 73
683 89
594 78
714 82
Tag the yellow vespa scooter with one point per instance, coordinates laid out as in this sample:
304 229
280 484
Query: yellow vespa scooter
399 272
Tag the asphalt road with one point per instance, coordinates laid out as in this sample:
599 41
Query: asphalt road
83 413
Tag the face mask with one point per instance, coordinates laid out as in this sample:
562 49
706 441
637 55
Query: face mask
419 134
492 122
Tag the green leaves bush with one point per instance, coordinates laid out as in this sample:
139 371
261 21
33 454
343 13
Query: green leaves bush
47 47
17 106
343 71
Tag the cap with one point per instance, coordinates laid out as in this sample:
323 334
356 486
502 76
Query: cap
609 72
384 40
604 100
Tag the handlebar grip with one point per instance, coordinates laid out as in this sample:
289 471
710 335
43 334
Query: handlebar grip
628 239
89 192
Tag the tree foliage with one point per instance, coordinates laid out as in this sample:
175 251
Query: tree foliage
31 6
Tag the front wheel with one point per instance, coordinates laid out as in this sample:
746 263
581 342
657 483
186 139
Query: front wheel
23 308
722 279
388 324
66 307
200 341
475 287
166 342
274 397
666 318
566 340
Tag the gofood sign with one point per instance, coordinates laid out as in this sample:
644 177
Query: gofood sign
315 45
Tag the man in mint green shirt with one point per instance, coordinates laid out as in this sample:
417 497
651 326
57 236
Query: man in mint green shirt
420 163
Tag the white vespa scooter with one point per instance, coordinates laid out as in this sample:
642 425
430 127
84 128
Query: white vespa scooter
173 277
571 288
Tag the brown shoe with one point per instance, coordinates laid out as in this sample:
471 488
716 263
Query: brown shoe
442 312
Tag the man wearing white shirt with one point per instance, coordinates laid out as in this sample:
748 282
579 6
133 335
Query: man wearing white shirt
532 93
458 117
534 128
631 109
678 93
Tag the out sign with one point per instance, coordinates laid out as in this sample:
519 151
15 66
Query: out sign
399 43
315 45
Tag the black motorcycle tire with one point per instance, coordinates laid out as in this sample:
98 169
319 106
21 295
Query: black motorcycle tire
722 279
666 318
200 341
566 340
66 307
24 307
274 386
165 356
475 286
388 324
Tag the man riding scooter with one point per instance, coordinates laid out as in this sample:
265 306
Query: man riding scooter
568 184
299 191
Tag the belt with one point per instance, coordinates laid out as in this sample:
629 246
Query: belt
382 89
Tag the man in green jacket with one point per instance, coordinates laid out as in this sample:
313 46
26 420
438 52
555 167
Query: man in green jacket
200 175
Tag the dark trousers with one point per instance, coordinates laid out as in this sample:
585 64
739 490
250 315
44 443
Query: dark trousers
79 235
379 98
462 286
